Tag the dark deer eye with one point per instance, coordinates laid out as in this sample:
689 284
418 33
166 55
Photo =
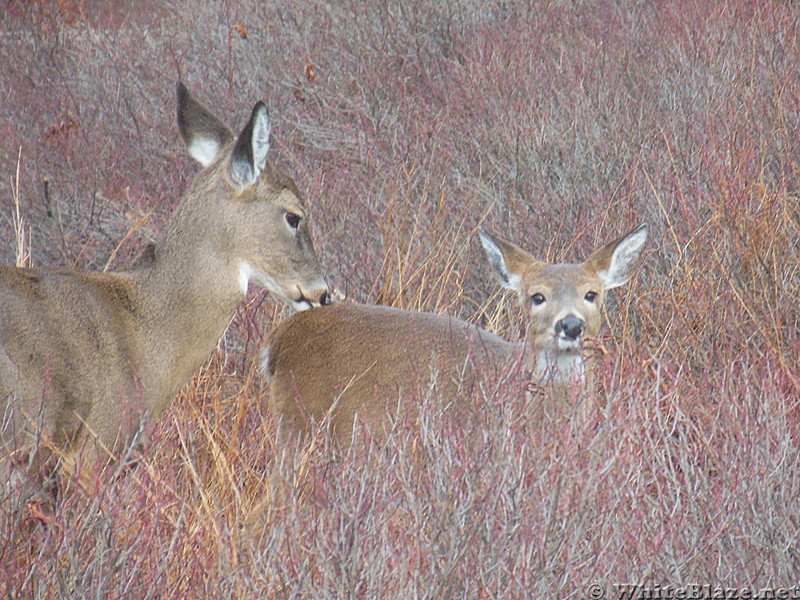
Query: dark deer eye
590 296
293 220
537 299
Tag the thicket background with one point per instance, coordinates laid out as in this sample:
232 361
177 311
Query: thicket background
555 124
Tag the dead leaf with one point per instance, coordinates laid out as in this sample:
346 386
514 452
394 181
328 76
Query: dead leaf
241 30
310 71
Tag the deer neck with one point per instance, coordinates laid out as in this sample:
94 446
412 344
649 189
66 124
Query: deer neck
562 368
189 295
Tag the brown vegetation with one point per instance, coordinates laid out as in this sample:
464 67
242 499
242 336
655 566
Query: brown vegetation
555 124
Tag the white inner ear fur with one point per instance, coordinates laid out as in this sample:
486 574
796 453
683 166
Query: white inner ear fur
514 282
204 150
624 260
497 259
260 140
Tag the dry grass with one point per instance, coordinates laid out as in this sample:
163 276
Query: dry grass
556 125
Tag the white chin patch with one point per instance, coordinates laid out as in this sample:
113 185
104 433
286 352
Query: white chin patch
566 345
247 274
304 305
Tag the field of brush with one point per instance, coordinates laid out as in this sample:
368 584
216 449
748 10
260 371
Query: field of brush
557 125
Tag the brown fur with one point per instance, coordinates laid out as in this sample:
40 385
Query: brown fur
318 354
362 358
84 356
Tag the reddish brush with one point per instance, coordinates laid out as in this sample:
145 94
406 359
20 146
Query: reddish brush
563 123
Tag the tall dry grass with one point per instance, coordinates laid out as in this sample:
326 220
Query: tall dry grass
408 125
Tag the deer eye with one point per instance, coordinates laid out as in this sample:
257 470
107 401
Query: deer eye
590 296
293 220
537 299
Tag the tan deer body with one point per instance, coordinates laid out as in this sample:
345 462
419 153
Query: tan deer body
346 360
84 356
332 353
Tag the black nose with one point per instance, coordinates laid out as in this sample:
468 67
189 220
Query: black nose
571 327
325 299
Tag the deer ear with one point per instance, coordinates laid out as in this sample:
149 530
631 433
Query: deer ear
507 259
250 152
616 262
202 132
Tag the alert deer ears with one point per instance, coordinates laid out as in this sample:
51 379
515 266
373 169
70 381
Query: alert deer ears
616 262
205 136
507 259
202 132
250 152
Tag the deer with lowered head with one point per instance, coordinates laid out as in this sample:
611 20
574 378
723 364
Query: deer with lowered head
85 356
350 361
